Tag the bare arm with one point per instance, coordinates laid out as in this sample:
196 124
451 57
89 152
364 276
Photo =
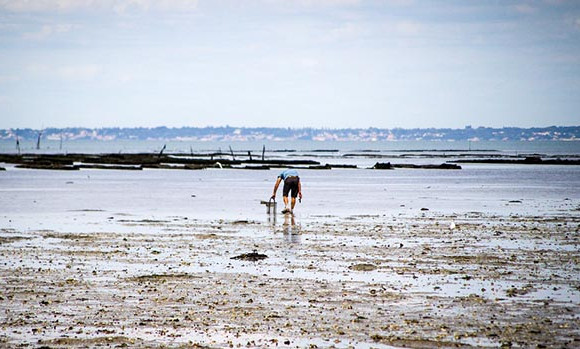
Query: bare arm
278 180
299 189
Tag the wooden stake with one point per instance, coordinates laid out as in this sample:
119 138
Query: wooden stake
38 140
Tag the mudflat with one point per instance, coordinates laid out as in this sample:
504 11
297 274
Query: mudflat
419 281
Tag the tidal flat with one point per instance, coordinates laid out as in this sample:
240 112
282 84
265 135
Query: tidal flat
424 280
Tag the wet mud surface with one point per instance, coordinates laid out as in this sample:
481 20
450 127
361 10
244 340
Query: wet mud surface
470 280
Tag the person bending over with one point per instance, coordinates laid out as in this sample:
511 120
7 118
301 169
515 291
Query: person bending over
291 184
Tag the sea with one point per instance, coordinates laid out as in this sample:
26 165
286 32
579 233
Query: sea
92 199
139 146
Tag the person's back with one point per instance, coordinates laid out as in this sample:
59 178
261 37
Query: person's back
288 173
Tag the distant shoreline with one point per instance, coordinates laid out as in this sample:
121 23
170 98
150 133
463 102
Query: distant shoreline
235 134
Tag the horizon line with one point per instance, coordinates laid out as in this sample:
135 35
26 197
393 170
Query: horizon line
293 128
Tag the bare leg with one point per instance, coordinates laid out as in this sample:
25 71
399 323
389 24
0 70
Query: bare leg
293 203
285 199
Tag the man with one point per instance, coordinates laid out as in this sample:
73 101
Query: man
291 184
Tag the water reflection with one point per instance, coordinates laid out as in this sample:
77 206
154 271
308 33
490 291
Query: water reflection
272 219
290 228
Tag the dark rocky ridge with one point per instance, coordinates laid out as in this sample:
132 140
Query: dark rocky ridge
140 161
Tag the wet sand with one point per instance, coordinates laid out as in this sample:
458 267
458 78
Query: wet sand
420 281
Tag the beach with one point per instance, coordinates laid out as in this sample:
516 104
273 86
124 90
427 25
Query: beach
435 146
482 257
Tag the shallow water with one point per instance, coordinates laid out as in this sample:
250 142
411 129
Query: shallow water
147 256
394 147
100 199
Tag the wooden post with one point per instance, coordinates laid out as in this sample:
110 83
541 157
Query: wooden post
162 149
38 140
250 155
263 151
232 152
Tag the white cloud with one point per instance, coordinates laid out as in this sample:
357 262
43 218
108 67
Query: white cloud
408 27
44 5
79 72
555 2
326 2
9 78
119 6
47 30
73 72
37 69
345 31
400 2
525 9
162 5
314 3
309 63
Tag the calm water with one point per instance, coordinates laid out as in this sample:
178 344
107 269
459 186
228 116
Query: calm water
96 200
85 146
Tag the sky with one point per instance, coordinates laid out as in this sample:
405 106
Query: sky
289 63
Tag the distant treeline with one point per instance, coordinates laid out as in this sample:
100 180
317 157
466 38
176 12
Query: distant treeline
228 133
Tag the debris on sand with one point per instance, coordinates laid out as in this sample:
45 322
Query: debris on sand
252 256
11 239
362 280
363 267
162 277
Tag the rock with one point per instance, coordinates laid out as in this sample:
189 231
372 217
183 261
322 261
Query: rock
447 166
363 267
252 256
383 166
50 166
533 160
444 166
320 167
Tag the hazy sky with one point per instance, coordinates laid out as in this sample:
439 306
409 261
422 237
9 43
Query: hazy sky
289 63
